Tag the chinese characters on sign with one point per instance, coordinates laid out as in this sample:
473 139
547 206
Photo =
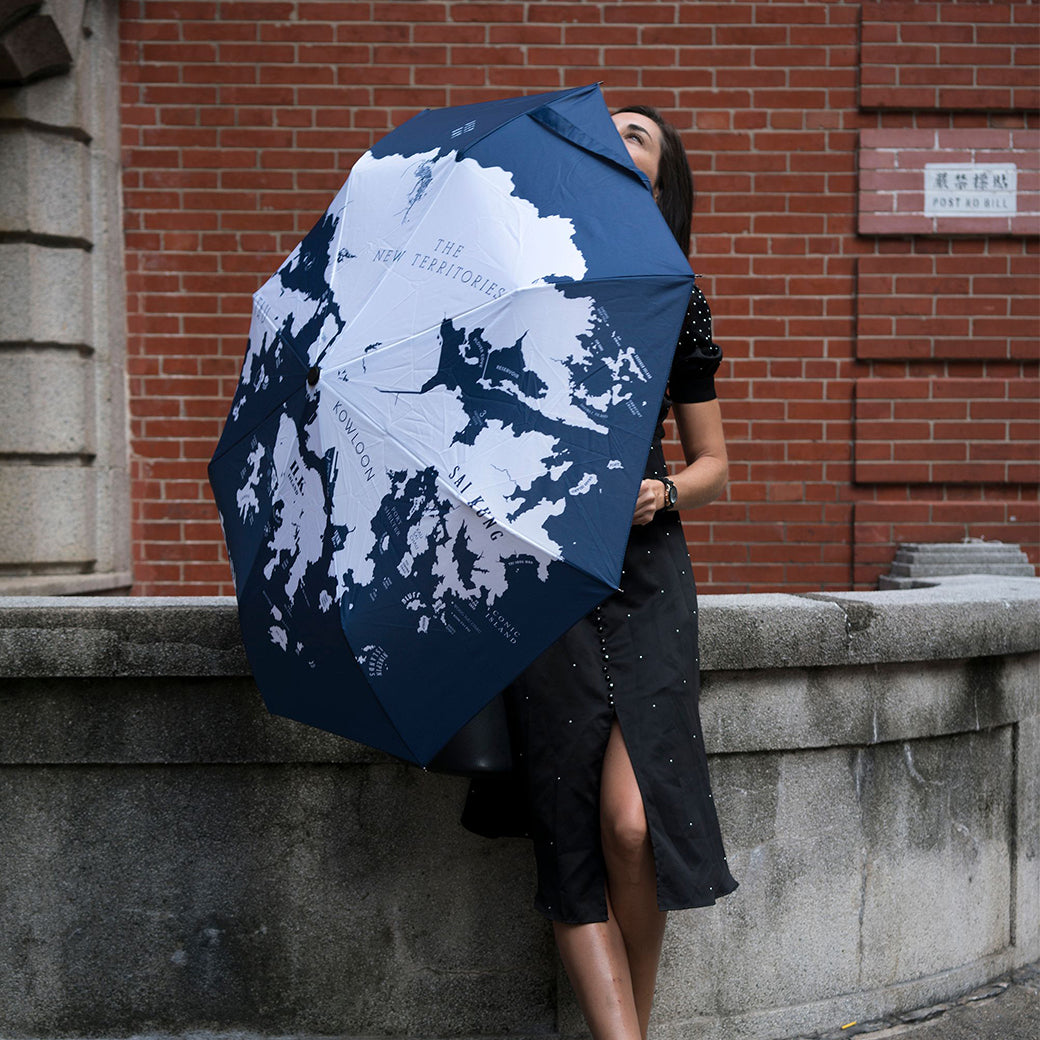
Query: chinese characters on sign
970 189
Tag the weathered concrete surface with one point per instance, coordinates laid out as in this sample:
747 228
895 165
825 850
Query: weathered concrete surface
63 312
176 860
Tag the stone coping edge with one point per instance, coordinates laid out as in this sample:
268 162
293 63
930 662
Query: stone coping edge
965 616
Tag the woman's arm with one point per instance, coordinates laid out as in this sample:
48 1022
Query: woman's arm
704 447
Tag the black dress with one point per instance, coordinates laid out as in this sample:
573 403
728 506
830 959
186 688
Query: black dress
634 658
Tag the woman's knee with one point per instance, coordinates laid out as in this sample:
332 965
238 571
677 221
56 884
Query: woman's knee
623 823
624 830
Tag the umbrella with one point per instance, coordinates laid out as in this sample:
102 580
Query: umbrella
430 463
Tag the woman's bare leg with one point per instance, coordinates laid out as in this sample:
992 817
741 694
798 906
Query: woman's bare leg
597 964
612 964
631 877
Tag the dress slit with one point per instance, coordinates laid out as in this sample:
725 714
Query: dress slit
650 831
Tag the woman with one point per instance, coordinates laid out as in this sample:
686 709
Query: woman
605 723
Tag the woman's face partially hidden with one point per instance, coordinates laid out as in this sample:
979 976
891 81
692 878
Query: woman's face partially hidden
642 138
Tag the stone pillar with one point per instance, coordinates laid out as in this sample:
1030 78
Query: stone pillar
64 498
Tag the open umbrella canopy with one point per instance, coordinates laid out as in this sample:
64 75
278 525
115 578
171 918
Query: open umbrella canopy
430 464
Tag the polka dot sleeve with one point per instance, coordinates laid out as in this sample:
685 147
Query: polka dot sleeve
697 356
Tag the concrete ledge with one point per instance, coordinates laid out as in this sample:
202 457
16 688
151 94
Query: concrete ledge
69 584
962 616
120 636
955 617
178 862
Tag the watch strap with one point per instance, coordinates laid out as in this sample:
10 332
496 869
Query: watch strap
671 493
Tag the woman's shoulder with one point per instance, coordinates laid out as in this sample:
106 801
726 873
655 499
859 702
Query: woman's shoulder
695 337
697 355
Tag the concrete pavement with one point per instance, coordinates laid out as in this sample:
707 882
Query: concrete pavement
1006 1009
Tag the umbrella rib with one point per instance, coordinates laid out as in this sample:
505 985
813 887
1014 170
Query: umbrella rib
552 554
527 113
385 274
533 287
280 402
452 491
460 153
373 292
406 743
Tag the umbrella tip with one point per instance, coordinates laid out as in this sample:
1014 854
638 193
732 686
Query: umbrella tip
312 375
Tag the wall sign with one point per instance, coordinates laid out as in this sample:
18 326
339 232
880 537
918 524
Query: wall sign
970 189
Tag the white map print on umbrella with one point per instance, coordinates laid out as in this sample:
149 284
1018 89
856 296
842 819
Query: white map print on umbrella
460 392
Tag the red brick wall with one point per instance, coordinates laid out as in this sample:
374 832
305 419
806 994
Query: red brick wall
242 119
951 395
950 55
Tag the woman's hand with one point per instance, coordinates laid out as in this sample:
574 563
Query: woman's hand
651 498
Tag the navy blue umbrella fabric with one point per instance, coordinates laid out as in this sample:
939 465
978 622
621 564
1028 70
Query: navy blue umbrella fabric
450 389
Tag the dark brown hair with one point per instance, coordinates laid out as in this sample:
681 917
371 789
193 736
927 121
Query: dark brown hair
674 185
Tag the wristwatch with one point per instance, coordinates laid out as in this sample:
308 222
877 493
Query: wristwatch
671 493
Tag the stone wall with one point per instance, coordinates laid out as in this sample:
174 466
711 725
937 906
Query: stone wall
176 860
64 496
